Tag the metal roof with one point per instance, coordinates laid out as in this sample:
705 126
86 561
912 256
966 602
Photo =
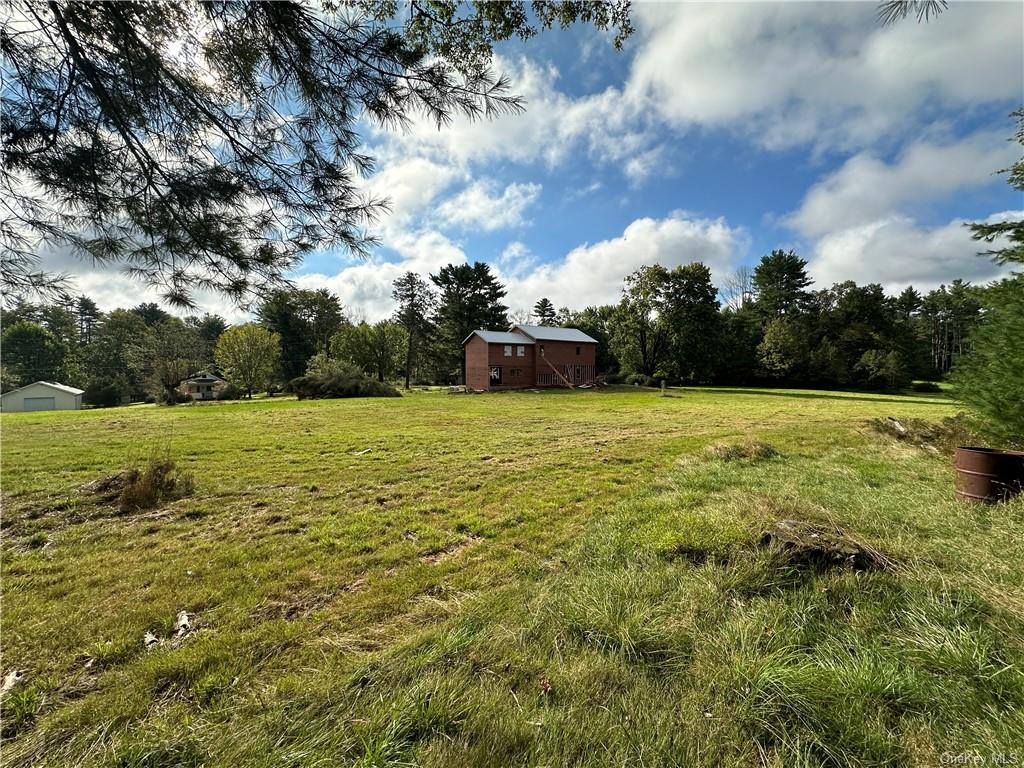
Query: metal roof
500 337
52 385
554 333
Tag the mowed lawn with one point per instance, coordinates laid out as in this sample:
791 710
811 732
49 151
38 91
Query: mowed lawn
556 579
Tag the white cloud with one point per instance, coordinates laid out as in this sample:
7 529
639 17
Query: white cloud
897 252
552 129
593 273
480 206
516 260
865 189
821 73
365 286
589 274
410 185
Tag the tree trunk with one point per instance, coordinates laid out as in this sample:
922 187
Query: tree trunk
408 360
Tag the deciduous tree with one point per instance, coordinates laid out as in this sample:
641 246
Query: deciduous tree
248 356
170 352
639 335
32 353
375 349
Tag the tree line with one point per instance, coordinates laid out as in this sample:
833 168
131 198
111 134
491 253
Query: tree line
766 325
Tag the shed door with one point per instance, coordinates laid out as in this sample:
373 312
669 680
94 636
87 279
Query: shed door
40 404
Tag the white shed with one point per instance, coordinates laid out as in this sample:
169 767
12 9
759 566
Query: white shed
42 396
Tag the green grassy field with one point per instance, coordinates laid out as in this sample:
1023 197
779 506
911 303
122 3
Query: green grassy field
514 579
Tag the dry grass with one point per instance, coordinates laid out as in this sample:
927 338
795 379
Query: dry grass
158 482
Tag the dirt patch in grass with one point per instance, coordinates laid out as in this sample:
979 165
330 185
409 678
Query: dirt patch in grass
450 550
301 606
110 486
939 437
813 547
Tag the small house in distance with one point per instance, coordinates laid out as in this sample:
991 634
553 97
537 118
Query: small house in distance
42 396
202 386
529 356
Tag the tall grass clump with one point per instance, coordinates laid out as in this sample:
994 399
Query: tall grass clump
159 481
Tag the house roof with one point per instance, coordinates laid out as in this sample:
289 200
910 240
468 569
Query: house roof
51 385
555 333
500 337
203 376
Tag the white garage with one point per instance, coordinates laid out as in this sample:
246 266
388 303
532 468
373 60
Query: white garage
42 396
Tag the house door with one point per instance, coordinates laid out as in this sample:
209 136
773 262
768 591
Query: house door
496 375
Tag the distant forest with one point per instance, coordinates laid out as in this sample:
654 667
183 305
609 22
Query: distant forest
765 325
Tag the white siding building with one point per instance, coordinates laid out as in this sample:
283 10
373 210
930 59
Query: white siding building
42 396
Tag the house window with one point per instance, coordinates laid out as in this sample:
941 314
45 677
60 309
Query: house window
495 374
508 350
577 350
520 351
542 350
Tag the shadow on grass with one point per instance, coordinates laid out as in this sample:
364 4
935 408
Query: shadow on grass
819 395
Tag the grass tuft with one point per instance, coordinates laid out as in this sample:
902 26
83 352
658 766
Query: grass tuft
160 481
753 450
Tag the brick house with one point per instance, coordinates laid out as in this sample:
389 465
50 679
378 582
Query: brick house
529 356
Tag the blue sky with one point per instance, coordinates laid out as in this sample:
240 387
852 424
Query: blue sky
719 132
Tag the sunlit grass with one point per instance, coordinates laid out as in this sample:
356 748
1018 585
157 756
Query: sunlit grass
513 579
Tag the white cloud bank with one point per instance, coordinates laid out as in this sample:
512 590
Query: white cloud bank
898 252
589 274
865 189
824 74
860 218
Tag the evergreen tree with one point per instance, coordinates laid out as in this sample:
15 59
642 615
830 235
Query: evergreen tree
209 328
151 313
1009 233
305 320
110 356
908 303
88 316
991 377
416 304
544 312
470 299
780 281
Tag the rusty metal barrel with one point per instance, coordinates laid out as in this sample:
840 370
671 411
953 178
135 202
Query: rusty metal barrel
988 474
